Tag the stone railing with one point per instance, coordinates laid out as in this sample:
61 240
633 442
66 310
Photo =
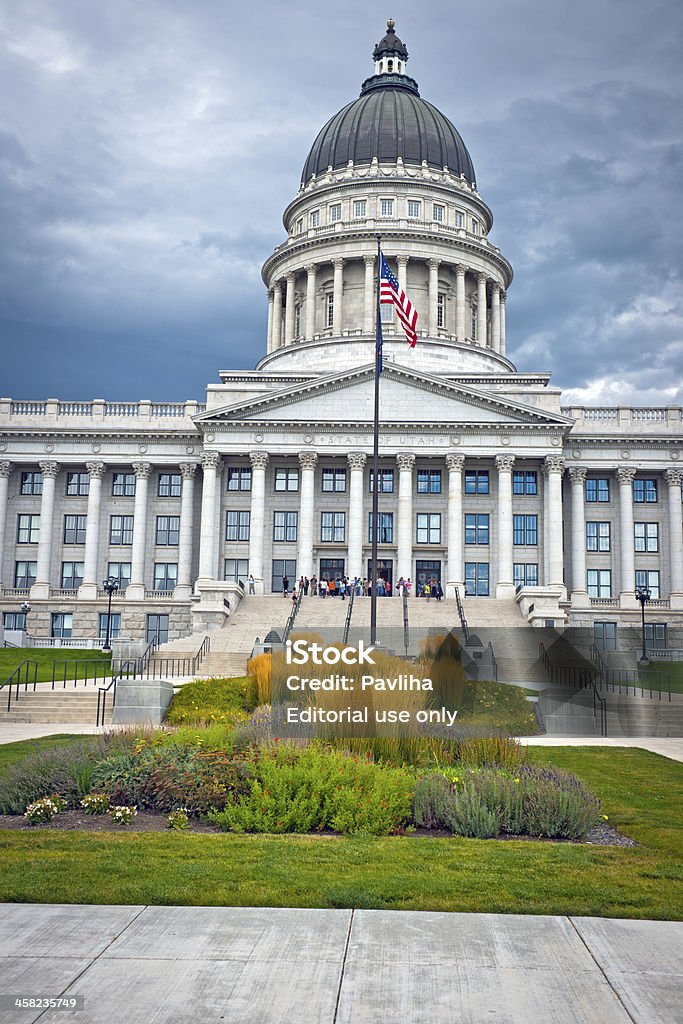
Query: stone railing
609 419
97 411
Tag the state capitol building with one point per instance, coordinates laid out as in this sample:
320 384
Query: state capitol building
487 481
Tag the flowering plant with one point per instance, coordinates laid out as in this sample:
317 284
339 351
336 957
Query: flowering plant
95 803
178 819
123 815
44 809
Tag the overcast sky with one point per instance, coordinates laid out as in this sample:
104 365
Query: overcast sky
148 149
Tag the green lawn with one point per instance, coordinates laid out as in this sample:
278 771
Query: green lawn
641 792
10 752
675 671
80 662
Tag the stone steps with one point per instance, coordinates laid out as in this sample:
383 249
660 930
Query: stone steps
49 706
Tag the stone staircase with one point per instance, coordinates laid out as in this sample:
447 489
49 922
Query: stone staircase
567 712
77 706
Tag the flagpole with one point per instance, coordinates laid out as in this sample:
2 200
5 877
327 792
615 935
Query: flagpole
375 458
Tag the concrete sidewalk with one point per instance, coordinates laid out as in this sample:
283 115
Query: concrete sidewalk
199 965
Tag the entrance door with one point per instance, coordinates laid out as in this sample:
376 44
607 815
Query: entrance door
283 567
385 569
427 570
605 636
331 568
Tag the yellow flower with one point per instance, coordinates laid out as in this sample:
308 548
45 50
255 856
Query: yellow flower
605 817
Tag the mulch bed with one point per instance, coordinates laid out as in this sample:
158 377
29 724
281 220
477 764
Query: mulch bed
149 821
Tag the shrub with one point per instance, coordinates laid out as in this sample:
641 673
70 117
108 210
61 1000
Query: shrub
178 819
497 706
122 815
213 700
43 810
260 668
469 814
432 802
491 751
95 803
556 804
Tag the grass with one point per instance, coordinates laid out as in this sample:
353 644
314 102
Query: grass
641 792
499 706
53 658
674 670
11 752
212 700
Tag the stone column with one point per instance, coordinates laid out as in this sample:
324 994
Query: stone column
674 477
404 538
41 588
369 296
88 589
135 591
554 468
505 587
627 579
481 309
269 347
456 570
495 316
357 462
503 299
402 272
579 594
338 299
5 473
277 315
289 309
307 461
207 528
433 298
460 329
259 461
311 271
183 588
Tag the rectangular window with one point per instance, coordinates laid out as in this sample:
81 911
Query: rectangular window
473 321
524 481
282 567
300 226
24 575
360 208
28 529
114 626
605 636
236 570
597 489
14 620
239 478
285 526
74 529
414 209
438 213
386 207
649 578
237 525
459 219
429 481
31 483
386 312
440 310
646 536
598 537
333 527
476 481
335 212
165 575
157 628
77 484
645 491
476 528
655 635
61 624
477 579
428 528
599 582
525 574
120 571
525 530
334 480
475 227
385 528
121 530
315 218
329 309
286 479
385 479
168 530
72 575
170 485
297 320
123 485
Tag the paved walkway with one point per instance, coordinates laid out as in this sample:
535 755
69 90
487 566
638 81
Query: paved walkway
155 965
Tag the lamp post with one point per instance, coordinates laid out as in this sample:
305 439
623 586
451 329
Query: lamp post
26 608
111 585
643 595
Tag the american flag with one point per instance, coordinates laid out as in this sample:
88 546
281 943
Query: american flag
391 291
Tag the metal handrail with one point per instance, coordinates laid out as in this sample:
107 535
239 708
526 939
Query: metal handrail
11 682
65 678
102 691
619 679
406 626
349 613
582 679
461 614
171 666
493 662
292 615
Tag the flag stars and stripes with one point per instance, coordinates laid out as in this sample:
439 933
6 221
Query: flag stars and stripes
390 291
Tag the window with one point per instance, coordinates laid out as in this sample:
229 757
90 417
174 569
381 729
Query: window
28 529
475 227
170 485
428 528
646 536
74 529
359 208
426 569
414 209
599 582
385 479
300 226
429 481
72 575
605 636
386 312
524 482
385 528
477 579
24 574
473 321
645 490
123 485
598 537
334 480
440 310
120 571
459 219
62 624
286 479
282 567
329 309
297 320
649 578
285 526
237 525
165 575
121 530
655 635
597 489
157 628
335 212
315 218
331 568
114 626
438 213
525 530
476 528
525 574
168 530
239 478
236 570
31 483
333 527
476 481
386 207
14 620
77 484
